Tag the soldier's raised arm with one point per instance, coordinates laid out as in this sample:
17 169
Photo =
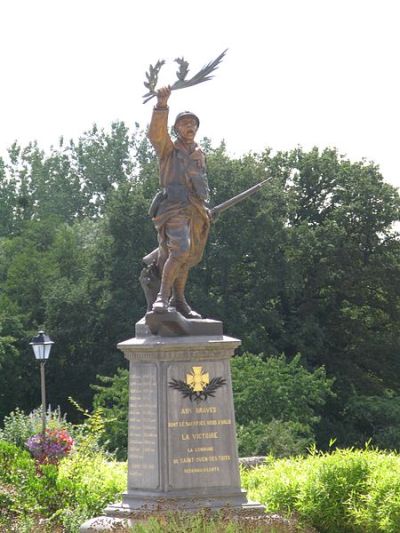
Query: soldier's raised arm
158 129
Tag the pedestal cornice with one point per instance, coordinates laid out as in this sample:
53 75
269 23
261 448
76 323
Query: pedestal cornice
156 348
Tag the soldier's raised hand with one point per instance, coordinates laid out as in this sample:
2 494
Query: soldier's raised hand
162 96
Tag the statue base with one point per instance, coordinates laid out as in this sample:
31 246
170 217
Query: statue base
182 451
173 323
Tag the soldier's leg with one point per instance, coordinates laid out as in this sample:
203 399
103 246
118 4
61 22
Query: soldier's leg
169 272
178 299
178 243
197 238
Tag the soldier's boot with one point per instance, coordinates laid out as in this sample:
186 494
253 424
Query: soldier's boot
178 299
170 269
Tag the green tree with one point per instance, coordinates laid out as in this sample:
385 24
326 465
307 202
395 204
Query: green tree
268 388
309 265
102 161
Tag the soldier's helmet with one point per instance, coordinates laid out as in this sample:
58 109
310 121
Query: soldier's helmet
185 114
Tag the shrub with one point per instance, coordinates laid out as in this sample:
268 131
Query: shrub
335 484
13 462
351 491
277 438
79 487
277 484
112 397
18 426
277 404
63 494
379 510
19 484
87 483
89 435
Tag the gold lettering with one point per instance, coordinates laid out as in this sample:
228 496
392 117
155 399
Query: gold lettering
182 460
185 436
214 458
201 469
206 409
196 423
211 435
186 411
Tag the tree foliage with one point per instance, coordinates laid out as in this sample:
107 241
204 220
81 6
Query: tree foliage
309 265
272 388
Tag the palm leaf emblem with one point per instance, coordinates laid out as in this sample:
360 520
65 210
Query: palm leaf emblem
198 385
204 74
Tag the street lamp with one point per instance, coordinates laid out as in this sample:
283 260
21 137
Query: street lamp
41 345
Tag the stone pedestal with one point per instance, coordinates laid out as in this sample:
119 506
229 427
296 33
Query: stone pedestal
182 451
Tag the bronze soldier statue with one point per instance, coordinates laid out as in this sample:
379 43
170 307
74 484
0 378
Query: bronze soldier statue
179 210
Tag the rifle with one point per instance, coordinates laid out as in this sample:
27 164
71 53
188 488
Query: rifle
238 198
215 211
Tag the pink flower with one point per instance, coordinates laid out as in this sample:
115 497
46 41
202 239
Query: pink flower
50 447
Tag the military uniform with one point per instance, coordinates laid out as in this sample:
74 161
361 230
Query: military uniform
179 211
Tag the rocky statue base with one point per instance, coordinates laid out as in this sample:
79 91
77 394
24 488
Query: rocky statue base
182 451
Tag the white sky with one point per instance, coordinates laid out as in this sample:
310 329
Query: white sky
308 72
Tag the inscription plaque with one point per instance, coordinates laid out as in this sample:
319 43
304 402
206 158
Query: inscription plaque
143 453
201 429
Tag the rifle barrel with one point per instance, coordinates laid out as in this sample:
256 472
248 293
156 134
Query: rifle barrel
238 198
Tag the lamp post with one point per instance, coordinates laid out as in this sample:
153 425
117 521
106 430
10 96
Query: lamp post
41 345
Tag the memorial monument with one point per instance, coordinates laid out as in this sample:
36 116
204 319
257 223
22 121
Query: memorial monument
182 451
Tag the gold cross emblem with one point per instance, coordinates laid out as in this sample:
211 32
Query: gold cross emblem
197 379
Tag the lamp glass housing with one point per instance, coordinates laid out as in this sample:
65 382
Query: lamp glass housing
41 345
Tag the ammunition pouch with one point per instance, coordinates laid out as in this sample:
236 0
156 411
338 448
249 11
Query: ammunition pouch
155 204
